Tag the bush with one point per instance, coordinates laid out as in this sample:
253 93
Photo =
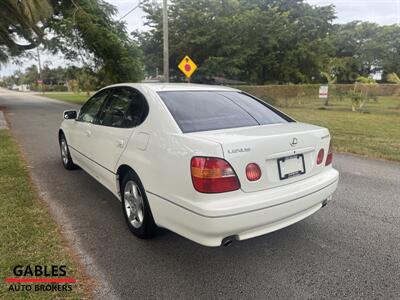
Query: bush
286 95
55 88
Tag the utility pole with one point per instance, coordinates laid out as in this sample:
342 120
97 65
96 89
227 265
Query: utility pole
40 68
165 36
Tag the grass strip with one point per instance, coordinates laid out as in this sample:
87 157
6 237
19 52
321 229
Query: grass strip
28 234
370 135
68 97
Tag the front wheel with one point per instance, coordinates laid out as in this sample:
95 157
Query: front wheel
65 155
136 208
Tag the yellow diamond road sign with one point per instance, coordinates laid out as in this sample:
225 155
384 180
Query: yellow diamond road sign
187 66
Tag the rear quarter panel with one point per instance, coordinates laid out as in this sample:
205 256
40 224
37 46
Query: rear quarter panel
160 154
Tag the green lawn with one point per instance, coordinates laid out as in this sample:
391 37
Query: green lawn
28 234
373 132
69 97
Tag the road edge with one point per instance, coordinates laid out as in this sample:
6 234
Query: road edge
93 284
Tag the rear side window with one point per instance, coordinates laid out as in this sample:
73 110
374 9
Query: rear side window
212 110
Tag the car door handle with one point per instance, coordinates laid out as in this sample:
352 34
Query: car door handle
120 143
88 133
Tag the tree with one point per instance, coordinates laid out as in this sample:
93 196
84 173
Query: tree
81 29
390 39
22 25
258 41
393 78
86 81
358 51
360 94
31 75
85 30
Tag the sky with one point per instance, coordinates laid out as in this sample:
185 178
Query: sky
383 12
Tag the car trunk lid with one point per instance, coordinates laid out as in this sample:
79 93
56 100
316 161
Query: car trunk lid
285 153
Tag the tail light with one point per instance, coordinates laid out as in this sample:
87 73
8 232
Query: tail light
320 156
329 158
253 172
213 175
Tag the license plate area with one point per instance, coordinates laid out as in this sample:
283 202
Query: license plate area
291 166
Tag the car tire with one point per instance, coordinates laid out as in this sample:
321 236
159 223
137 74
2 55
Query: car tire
65 154
135 207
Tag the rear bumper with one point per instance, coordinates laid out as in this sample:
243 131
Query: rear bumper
261 212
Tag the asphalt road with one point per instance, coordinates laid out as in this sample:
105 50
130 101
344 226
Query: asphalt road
349 249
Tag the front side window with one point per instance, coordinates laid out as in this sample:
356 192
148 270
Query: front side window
212 110
124 109
91 108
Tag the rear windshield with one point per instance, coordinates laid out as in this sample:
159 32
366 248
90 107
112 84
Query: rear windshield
211 110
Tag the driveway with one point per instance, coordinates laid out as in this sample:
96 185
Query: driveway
349 249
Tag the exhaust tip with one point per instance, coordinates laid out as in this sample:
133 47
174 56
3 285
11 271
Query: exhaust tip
226 242
325 202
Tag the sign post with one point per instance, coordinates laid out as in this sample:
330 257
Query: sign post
187 66
40 81
323 92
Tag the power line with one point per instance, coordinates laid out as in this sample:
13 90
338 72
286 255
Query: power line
130 11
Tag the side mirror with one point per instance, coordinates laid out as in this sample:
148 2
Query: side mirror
70 114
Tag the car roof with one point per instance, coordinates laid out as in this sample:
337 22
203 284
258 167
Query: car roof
164 87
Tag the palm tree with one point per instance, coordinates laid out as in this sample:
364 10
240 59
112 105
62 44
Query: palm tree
393 78
22 24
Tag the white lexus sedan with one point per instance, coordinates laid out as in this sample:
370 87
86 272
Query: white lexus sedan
211 163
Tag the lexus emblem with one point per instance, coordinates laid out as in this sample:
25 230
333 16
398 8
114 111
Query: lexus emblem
293 142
